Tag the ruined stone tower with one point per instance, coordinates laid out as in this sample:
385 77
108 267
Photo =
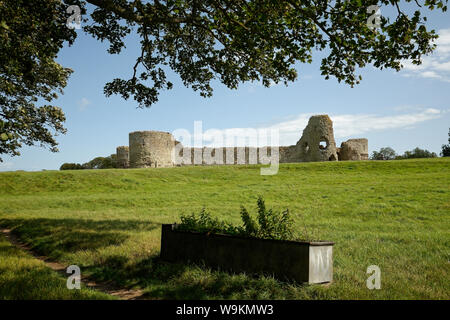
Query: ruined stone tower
317 142
151 149
122 157
354 149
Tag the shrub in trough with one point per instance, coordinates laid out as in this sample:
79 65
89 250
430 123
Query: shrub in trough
269 224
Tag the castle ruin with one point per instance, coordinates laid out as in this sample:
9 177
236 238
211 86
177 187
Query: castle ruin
153 149
354 149
122 157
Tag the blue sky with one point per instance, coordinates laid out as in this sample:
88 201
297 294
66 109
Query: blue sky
403 110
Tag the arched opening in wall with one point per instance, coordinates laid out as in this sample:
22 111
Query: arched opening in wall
332 158
306 147
323 144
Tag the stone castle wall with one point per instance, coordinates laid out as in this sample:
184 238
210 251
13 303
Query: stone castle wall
153 149
230 155
122 157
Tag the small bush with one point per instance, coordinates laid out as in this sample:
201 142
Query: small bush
250 227
96 163
71 166
205 223
417 153
270 224
386 153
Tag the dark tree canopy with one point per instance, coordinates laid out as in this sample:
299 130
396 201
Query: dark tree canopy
96 163
417 153
446 147
31 35
254 40
386 153
201 40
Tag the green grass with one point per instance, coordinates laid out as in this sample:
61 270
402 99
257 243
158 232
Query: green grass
24 277
394 214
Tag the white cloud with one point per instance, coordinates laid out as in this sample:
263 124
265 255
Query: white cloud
443 43
435 66
345 126
352 125
83 103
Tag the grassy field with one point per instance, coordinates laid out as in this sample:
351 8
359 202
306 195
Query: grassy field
24 277
394 214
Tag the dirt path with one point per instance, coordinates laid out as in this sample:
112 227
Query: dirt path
121 293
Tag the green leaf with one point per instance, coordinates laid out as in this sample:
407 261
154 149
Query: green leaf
4 25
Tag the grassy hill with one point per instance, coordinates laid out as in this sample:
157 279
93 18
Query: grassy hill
394 214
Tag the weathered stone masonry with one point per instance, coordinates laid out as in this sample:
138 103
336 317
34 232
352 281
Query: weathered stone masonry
151 149
157 149
122 157
354 149
316 144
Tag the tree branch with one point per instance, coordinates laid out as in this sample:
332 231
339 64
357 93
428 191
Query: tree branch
138 17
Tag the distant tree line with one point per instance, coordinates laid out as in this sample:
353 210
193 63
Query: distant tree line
388 153
96 163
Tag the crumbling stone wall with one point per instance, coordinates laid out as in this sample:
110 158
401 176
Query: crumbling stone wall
288 154
230 155
157 149
354 149
317 142
151 149
122 157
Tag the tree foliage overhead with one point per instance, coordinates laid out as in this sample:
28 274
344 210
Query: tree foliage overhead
255 40
201 40
31 35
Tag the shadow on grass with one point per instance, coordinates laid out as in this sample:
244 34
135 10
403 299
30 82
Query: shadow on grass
197 282
24 278
164 280
41 283
54 237
160 280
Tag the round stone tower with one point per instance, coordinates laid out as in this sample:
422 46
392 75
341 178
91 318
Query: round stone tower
122 157
151 149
